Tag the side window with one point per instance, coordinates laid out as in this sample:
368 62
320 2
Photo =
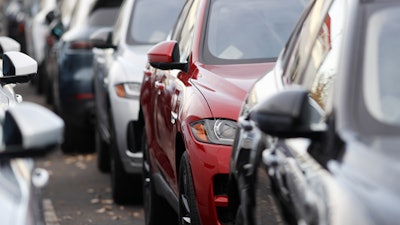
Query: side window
185 35
294 72
323 64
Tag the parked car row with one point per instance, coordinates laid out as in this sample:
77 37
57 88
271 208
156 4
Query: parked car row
243 112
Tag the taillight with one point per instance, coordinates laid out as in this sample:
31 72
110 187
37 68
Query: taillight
81 45
83 96
21 27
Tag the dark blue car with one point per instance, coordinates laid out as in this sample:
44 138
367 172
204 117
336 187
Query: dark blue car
72 85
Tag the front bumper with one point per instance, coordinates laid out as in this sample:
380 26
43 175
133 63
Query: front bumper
210 169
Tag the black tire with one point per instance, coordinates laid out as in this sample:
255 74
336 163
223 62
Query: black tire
103 154
239 218
40 79
188 211
125 187
77 139
156 209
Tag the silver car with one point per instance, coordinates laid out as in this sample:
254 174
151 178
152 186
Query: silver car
119 62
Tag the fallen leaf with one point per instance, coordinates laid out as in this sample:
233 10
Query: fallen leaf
107 201
95 201
101 210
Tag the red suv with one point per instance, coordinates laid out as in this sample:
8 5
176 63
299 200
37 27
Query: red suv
191 95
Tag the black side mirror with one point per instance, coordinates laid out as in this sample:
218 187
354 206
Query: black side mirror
102 38
50 17
57 29
289 114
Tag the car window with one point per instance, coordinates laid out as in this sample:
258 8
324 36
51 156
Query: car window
95 13
152 20
381 66
103 17
296 64
242 31
80 12
322 67
185 29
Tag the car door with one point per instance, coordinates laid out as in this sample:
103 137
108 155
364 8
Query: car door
170 87
295 165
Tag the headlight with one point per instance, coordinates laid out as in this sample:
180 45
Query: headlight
128 90
218 131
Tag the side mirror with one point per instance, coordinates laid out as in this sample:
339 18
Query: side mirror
18 68
29 130
289 114
50 16
165 55
8 44
102 38
57 29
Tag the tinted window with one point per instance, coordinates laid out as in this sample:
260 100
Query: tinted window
322 68
152 20
247 31
297 61
103 17
95 13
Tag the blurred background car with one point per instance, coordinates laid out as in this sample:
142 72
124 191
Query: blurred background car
72 84
62 15
191 96
28 130
119 59
322 128
36 27
14 21
20 180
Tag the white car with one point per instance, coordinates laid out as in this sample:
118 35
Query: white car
26 130
119 61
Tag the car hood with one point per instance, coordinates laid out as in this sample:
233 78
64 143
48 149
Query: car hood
224 87
369 171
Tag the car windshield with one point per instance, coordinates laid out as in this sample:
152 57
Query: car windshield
152 20
382 66
239 31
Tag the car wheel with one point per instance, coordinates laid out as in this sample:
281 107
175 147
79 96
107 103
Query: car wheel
156 209
125 187
239 219
77 139
103 154
188 212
